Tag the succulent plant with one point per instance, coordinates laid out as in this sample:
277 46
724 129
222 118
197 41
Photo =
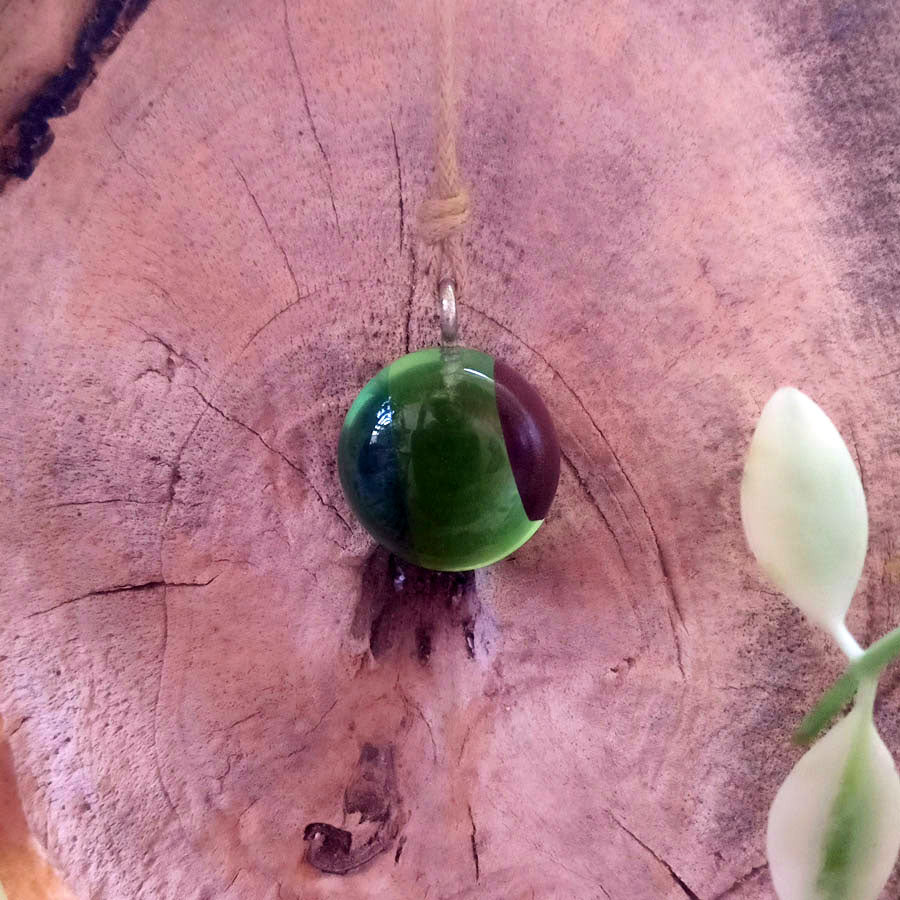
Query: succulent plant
834 825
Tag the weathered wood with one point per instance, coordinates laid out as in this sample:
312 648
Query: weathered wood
678 207
33 98
25 872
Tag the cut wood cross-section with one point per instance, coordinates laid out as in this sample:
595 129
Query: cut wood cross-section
214 685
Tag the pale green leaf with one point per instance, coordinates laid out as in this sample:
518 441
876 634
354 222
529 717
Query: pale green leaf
834 827
803 508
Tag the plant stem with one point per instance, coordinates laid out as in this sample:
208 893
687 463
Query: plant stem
865 696
868 666
846 641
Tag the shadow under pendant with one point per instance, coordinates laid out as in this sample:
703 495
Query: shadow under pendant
449 459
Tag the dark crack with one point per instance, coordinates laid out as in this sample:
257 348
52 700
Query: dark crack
167 296
411 704
18 727
675 876
885 374
307 734
174 478
122 588
411 294
275 242
737 885
124 156
103 502
162 666
399 183
229 763
278 453
474 839
423 644
859 462
675 605
30 137
580 403
273 317
347 282
241 721
247 808
233 880
312 124
153 338
462 746
595 503
156 339
667 580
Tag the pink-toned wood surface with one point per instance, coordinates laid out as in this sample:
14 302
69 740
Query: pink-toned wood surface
678 207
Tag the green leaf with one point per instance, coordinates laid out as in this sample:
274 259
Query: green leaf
804 510
834 826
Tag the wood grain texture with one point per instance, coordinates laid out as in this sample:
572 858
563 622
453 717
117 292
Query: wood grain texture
36 39
25 872
86 36
677 209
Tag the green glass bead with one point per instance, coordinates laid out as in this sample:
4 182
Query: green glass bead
439 456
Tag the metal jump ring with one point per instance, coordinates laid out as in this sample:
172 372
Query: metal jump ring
449 325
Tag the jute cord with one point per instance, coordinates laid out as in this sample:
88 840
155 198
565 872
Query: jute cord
446 210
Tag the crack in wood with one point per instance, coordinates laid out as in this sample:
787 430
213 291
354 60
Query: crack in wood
18 727
278 246
120 589
312 124
229 762
596 505
233 880
247 808
152 338
741 881
30 137
311 732
474 839
253 715
103 502
676 878
142 175
278 453
411 294
675 604
577 399
859 462
411 704
155 716
667 581
399 182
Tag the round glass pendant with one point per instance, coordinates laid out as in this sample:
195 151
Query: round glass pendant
449 459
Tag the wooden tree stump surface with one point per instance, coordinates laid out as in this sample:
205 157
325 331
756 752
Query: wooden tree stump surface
203 660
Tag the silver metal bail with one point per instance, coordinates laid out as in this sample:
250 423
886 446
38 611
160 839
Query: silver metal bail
449 324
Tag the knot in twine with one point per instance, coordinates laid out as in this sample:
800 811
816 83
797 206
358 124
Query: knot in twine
440 218
443 214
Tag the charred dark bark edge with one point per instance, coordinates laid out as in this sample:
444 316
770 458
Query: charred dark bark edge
29 137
